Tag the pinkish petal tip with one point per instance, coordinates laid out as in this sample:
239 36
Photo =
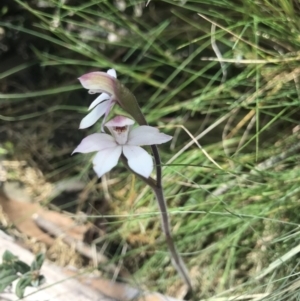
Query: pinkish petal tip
119 121
98 82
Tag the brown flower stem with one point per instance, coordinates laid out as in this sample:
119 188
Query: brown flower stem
158 165
175 256
158 191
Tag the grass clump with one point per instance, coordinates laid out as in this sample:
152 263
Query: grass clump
232 220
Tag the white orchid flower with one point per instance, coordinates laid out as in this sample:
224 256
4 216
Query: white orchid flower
99 82
124 140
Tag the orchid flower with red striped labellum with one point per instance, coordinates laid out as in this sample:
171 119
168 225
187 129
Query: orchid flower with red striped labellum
123 140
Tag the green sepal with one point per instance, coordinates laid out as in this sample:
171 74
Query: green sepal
128 102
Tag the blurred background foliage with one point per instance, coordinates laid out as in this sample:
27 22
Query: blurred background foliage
230 223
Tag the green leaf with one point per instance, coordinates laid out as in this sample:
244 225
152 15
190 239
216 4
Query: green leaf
38 262
40 259
21 267
22 284
6 272
6 281
5 267
8 257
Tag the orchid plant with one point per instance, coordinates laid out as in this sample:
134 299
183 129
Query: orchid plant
124 143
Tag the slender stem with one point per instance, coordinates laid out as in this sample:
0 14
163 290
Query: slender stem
175 256
158 165
158 191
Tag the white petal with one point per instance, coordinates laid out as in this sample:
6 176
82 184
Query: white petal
112 72
138 160
98 100
147 135
94 115
95 142
106 159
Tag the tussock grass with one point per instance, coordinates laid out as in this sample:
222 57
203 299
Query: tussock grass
231 221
